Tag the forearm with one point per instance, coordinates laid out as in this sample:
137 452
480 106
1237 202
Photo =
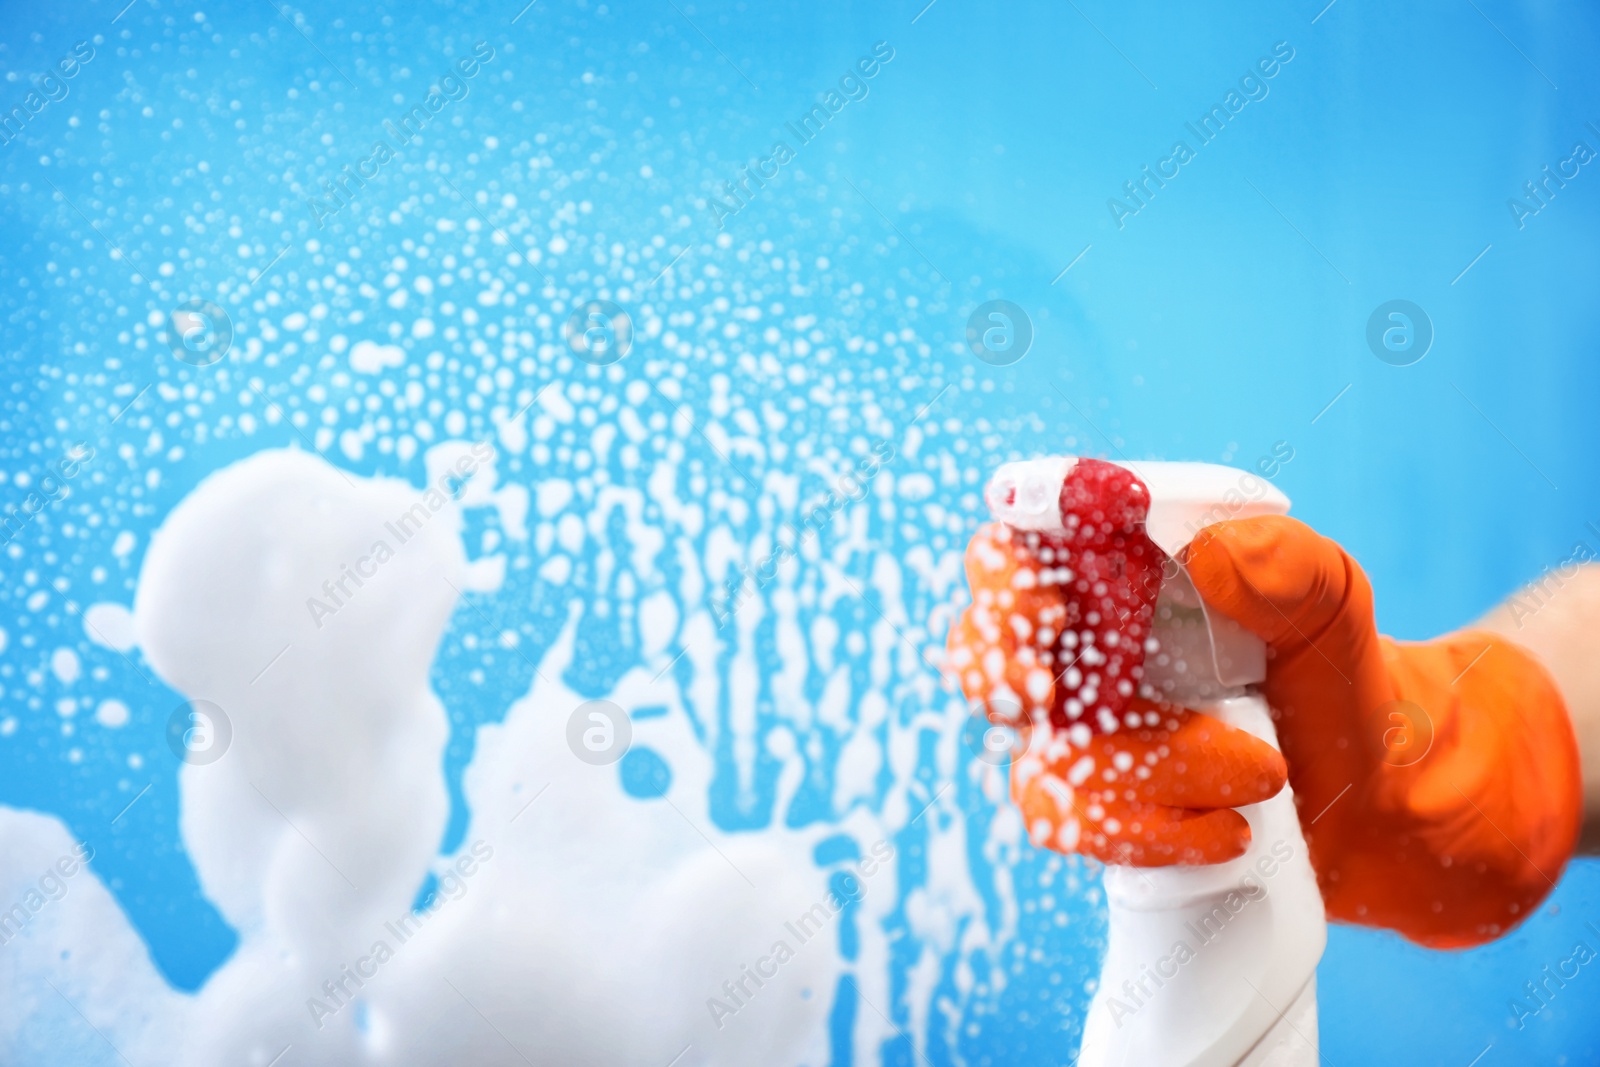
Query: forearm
1558 620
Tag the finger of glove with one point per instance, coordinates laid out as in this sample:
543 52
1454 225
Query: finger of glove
1282 581
1326 672
1162 837
1002 647
1189 760
1123 832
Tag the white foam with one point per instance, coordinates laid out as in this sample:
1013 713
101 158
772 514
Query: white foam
370 357
112 713
110 625
598 928
64 664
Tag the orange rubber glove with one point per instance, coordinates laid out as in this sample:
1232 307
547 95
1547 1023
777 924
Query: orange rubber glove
1437 783
1151 796
1155 789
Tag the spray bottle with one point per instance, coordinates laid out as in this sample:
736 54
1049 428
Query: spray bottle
1208 966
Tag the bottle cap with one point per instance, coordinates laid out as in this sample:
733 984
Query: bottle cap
1202 655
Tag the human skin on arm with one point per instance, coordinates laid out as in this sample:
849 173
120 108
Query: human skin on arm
1558 620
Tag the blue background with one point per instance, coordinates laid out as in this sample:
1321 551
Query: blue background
1221 319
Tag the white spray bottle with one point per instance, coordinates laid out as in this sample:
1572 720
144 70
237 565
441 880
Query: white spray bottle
1208 966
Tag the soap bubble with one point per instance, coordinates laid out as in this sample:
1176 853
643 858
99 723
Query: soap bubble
198 732
999 333
599 732
599 332
199 332
1399 332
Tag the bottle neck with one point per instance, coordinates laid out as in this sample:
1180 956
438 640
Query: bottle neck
1199 657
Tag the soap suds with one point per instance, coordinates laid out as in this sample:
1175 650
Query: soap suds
315 830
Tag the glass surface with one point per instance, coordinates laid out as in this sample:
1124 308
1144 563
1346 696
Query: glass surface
714 278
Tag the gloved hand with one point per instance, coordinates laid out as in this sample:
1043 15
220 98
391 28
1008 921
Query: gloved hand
1051 646
1437 783
1150 796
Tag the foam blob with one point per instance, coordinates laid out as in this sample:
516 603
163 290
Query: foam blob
64 664
369 357
575 924
112 713
110 625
